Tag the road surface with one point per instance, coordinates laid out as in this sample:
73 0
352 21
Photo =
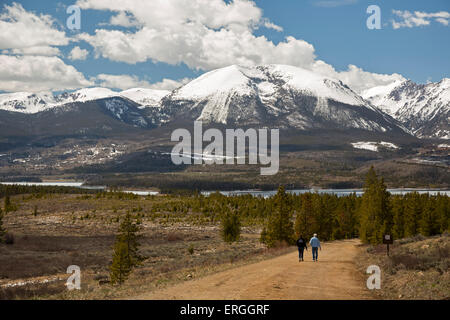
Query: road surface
334 276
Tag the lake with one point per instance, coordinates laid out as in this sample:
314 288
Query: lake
338 192
265 194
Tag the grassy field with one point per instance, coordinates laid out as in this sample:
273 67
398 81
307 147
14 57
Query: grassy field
80 230
417 268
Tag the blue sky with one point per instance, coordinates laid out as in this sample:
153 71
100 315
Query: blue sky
335 28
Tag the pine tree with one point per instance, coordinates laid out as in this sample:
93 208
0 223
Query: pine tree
413 211
120 268
7 205
375 212
398 215
443 213
126 250
429 221
305 221
231 226
280 228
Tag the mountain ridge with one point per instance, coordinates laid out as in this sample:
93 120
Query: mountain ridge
277 95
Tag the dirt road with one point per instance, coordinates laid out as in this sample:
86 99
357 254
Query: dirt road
334 276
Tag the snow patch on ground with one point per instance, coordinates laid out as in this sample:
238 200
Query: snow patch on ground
373 146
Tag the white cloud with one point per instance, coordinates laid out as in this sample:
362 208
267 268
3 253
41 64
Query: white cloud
123 19
38 73
124 82
360 80
169 84
27 32
443 21
418 18
204 35
36 51
78 54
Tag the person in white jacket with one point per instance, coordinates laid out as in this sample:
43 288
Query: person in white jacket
315 245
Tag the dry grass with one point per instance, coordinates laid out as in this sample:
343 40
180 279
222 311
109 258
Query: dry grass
417 268
80 230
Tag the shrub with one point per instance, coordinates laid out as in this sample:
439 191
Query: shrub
191 249
231 227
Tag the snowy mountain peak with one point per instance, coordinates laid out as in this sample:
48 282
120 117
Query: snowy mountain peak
26 102
145 97
422 108
86 94
265 80
272 95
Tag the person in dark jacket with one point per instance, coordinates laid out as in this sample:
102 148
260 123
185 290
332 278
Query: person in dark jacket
301 244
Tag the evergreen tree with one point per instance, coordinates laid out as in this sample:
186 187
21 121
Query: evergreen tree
429 221
375 212
231 226
305 221
413 210
280 227
398 217
121 267
7 204
126 250
443 212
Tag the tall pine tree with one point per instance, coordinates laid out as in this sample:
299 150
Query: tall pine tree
375 212
305 223
126 250
280 228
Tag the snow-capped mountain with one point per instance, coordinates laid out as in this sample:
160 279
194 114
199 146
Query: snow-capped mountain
423 108
268 95
274 95
145 97
26 102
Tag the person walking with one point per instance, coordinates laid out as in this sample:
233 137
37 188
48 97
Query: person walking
301 244
315 245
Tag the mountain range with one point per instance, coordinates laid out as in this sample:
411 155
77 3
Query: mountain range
423 108
268 95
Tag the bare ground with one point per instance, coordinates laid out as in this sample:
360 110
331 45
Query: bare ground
334 276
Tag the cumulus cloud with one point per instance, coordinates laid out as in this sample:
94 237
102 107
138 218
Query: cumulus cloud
361 80
123 19
78 54
418 18
124 82
204 35
169 84
25 73
27 32
36 51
